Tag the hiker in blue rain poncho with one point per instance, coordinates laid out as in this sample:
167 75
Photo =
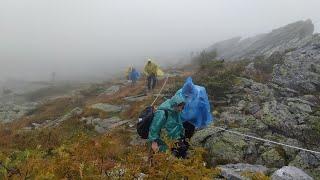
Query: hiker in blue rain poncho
134 75
197 109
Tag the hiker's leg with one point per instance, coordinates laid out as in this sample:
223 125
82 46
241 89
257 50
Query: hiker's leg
188 129
149 82
154 81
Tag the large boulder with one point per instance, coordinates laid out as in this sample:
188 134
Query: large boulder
240 170
222 147
308 162
277 115
300 68
290 173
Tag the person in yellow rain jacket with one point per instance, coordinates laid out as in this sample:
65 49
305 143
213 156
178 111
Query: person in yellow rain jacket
152 71
129 70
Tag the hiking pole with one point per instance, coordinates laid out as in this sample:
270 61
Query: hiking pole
164 84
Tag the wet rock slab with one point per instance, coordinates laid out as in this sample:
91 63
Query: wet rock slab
103 125
106 107
290 173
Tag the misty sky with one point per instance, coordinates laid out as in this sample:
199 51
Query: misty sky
79 38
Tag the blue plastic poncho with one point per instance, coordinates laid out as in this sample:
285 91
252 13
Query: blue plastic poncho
134 75
197 108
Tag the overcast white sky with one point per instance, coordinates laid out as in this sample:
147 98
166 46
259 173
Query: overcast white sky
94 37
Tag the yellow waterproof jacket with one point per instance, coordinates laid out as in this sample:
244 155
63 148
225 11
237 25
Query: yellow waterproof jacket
128 71
150 68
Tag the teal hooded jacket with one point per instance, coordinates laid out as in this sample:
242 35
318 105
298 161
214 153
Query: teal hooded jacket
172 124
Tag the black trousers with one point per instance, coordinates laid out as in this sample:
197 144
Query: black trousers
188 129
152 81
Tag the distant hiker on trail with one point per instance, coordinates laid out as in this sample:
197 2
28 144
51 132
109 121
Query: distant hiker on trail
197 112
133 75
128 72
152 71
168 117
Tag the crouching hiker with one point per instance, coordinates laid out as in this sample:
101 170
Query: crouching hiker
168 118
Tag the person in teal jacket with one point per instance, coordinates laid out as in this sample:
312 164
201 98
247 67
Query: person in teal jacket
172 123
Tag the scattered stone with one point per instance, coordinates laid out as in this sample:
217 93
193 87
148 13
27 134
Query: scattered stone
272 158
106 107
135 98
103 125
99 129
200 136
250 69
299 108
35 125
75 112
283 91
225 147
309 162
141 176
10 111
111 90
27 128
290 173
252 108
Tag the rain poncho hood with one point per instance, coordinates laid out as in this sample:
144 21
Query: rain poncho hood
197 108
172 124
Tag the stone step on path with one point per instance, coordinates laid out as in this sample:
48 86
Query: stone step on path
103 125
111 90
107 107
137 98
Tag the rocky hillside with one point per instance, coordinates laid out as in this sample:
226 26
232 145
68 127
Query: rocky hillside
281 39
90 133
275 97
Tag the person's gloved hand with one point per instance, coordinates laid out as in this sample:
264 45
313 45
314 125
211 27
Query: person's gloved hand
180 149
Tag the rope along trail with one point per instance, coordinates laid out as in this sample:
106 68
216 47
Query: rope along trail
245 135
268 141
164 84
